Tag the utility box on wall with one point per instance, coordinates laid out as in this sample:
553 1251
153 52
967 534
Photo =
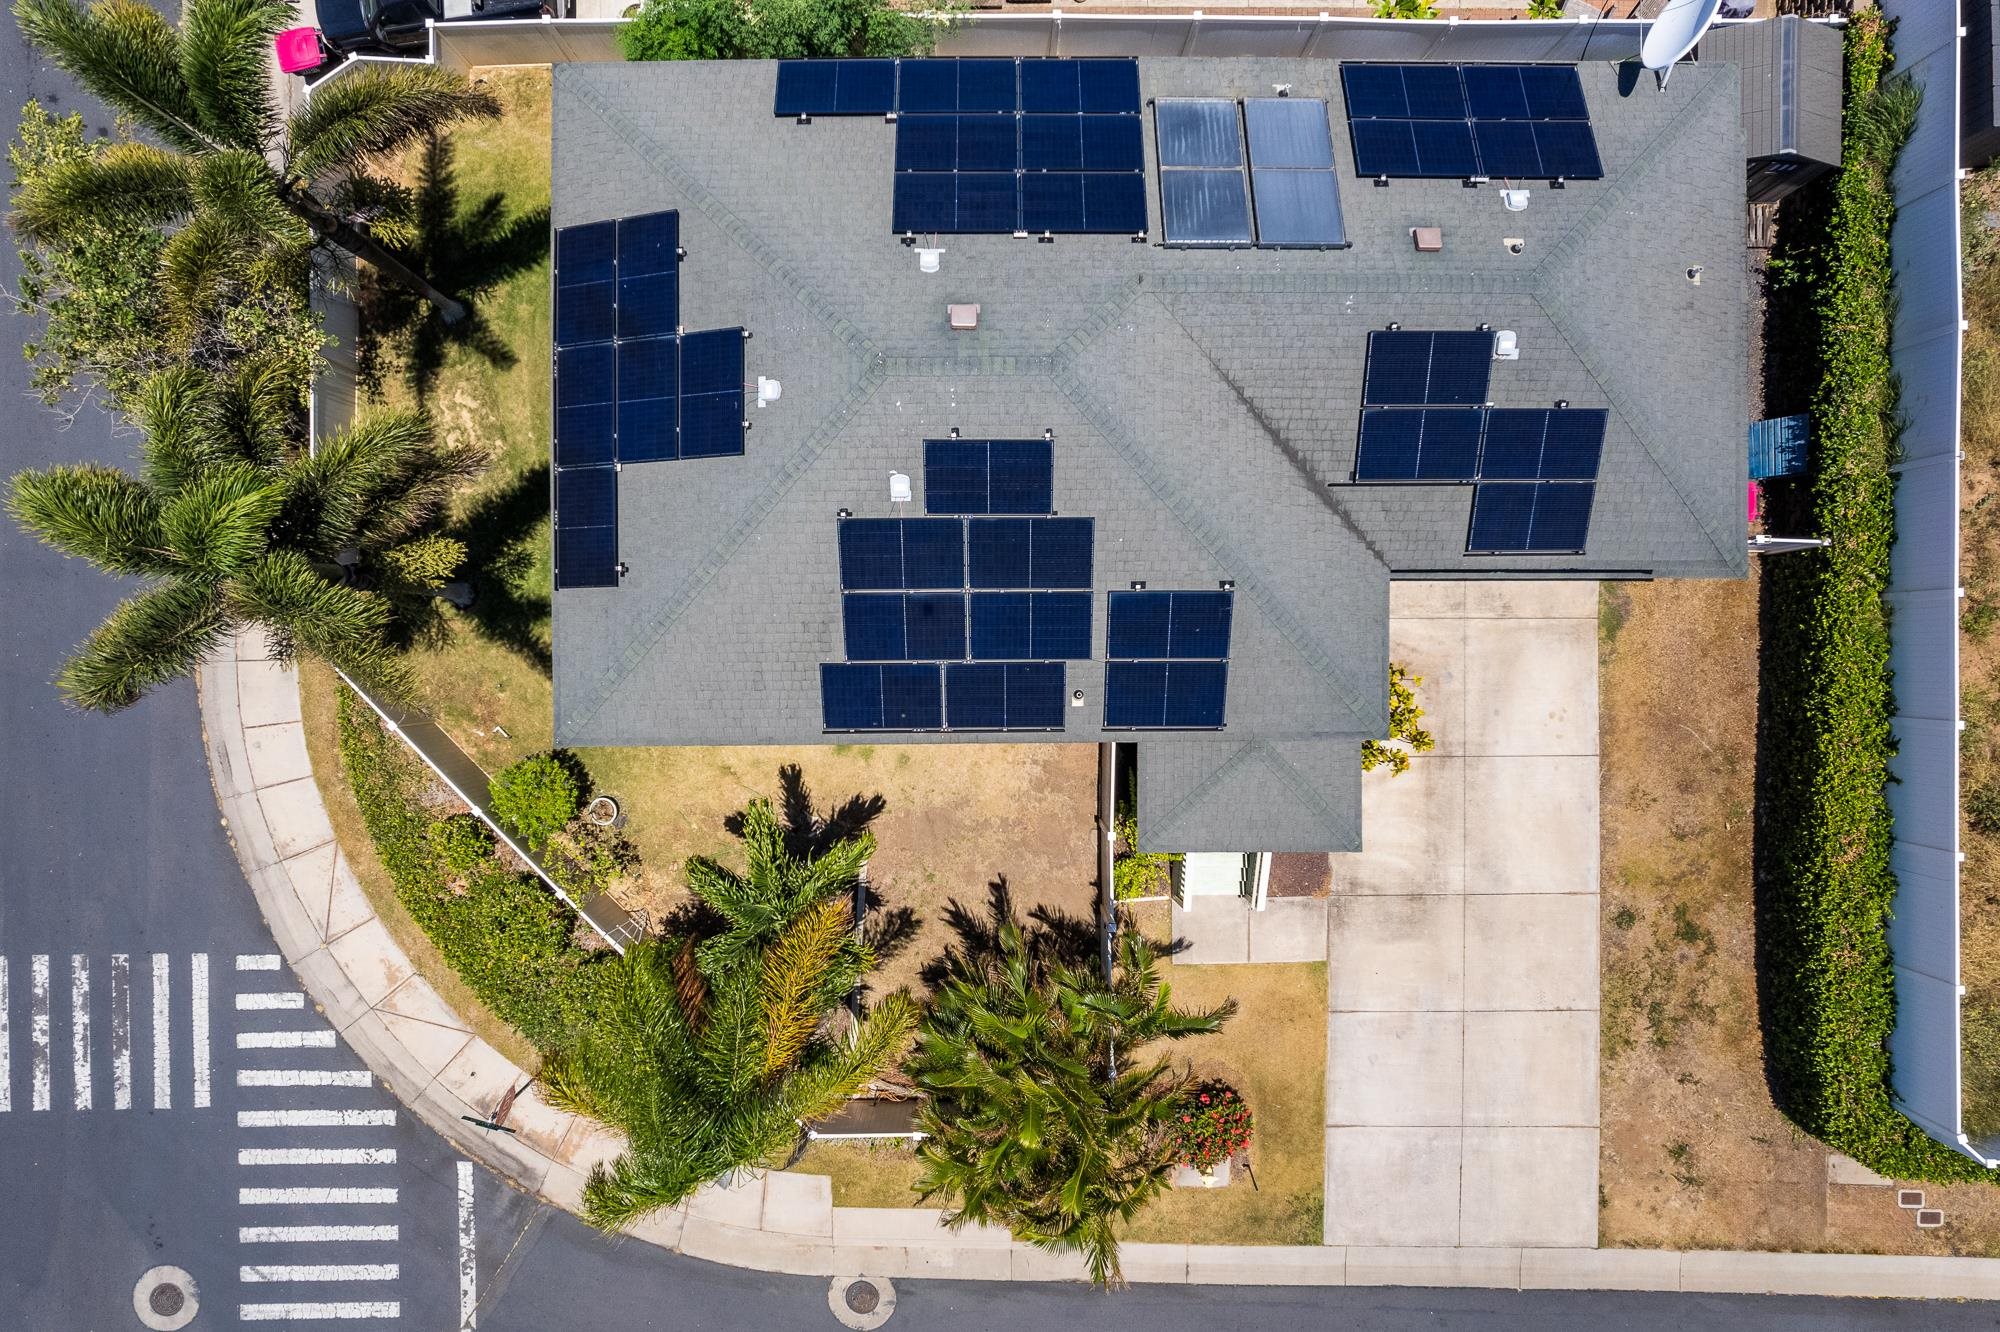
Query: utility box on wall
1791 72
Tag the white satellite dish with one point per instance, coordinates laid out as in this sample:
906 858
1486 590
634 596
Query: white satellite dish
1674 33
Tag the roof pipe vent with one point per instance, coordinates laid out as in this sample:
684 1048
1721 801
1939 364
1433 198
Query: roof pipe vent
899 488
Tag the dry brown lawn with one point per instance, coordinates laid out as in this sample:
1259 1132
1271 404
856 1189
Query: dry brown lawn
1694 1152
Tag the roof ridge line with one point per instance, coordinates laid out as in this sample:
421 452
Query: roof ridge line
1199 789
705 200
751 517
1307 791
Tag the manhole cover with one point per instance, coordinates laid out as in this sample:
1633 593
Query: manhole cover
862 1297
167 1299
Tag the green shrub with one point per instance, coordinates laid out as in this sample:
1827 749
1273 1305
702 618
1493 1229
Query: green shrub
1404 714
462 843
1824 880
1137 873
1405 9
505 934
536 798
777 29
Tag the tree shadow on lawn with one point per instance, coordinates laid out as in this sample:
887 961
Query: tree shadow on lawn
509 606
466 252
1055 938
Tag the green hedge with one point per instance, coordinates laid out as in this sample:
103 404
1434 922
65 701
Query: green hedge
1824 826
508 938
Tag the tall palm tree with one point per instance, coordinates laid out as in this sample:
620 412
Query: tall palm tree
235 526
242 183
1034 1121
711 1054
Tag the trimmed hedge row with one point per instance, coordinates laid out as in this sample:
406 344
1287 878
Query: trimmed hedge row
503 932
1825 886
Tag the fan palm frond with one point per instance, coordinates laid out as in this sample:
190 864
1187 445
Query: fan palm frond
383 111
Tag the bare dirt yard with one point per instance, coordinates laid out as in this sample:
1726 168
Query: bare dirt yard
1694 1152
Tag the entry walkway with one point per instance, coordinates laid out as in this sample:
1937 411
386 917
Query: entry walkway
1461 1095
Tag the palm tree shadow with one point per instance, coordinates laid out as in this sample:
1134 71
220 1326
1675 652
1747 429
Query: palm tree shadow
498 530
809 833
467 251
1054 938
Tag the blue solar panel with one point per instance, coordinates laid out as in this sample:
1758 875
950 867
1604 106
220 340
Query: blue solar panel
912 697
586 436
975 696
1444 148
805 87
1114 203
872 624
649 431
586 374
1197 694
649 243
955 476
1501 517
1494 92
712 361
1138 624
1562 516
1052 143
1298 209
1059 552
586 497
1513 448
988 143
1035 695
934 626
1061 626
1436 92
712 424
1022 476
585 312
927 143
924 202
987 85
1201 624
1375 92
1050 85
1109 85
1574 444
933 552
649 305
588 253
1112 143
850 697
1384 147
927 85
1002 626
1197 132
1288 132
1135 695
1555 92
1568 149
1450 448
1399 368
586 557
1205 207
648 368
1507 149
865 88
1053 201
871 553
1390 437
1461 366
987 202
998 552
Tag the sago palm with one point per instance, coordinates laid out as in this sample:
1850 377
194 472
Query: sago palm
710 1055
1049 1097
244 185
235 527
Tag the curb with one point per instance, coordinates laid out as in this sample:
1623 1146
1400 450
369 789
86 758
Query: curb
777 1222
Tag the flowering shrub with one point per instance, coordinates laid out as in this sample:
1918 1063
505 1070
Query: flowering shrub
1213 1124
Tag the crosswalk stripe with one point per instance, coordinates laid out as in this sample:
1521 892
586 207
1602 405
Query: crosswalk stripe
284 1040
319 1272
258 1000
316 1156
468 1253
273 1313
79 1030
198 979
315 1118
256 961
258 1197
6 1045
121 1031
303 1077
38 1028
315 1234
163 1035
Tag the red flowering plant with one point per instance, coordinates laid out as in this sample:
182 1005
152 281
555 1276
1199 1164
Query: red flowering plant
1210 1125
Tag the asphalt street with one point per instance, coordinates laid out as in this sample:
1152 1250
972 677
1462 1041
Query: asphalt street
167 1096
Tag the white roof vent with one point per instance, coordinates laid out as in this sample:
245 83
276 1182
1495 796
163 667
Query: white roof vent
768 390
1506 346
899 488
1514 201
927 259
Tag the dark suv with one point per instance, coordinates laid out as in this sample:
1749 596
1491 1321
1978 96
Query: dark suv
348 26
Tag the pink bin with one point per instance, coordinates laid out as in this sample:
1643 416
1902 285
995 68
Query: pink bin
298 50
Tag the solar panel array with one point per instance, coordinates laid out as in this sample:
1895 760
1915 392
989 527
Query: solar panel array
1256 173
1167 660
989 475
629 385
1479 444
1498 121
1547 517
1443 369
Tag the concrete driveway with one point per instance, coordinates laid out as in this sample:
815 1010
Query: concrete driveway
1462 941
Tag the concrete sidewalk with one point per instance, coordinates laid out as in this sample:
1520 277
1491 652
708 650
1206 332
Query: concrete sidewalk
778 1222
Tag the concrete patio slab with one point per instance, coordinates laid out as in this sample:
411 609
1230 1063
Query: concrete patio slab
1529 1187
1531 824
1289 929
1409 601
1524 598
1395 953
1395 1069
1413 832
1527 951
1531 686
798 1204
1531 1069
1392 1186
1216 931
1434 650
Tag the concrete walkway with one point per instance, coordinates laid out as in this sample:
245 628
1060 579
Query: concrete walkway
779 1222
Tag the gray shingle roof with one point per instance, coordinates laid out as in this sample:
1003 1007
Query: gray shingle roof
1203 404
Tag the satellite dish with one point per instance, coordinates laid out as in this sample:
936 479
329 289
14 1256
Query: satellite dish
1674 33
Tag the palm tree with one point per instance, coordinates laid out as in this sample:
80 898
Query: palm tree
236 527
1034 1123
244 184
710 1054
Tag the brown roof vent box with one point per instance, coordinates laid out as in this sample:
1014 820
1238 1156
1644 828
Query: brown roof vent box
1429 239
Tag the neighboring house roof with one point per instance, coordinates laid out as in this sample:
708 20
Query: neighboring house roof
1203 403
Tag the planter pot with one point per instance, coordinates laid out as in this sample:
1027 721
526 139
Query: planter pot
603 811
